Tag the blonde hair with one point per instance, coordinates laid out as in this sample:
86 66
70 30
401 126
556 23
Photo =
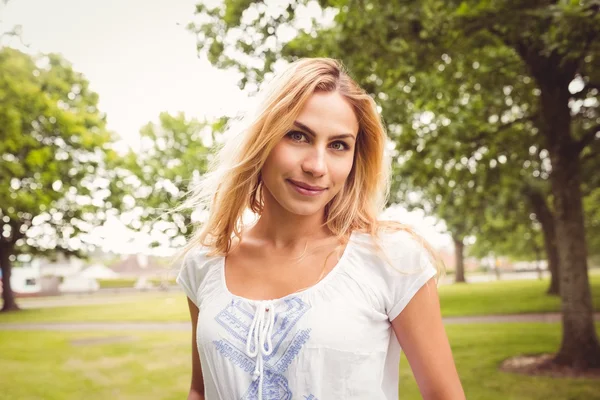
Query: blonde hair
232 184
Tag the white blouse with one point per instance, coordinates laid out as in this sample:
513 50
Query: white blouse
333 340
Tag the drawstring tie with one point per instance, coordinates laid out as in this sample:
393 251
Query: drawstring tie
259 341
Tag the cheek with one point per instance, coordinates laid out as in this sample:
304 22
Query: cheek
341 171
280 160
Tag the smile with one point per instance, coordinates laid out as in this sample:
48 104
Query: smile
305 191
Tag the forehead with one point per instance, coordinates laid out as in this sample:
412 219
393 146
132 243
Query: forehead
328 113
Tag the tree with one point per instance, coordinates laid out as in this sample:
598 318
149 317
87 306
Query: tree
557 43
174 153
452 148
546 45
55 184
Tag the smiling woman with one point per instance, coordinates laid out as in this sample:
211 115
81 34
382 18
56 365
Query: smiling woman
316 298
311 161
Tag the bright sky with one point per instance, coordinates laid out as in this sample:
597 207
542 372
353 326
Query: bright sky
136 54
141 60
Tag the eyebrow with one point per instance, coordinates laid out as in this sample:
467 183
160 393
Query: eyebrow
307 129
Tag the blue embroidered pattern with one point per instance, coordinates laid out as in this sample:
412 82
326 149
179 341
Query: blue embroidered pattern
236 319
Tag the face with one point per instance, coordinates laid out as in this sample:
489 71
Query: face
310 164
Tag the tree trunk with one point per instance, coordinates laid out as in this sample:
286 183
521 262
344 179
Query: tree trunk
460 261
496 268
8 297
546 219
579 348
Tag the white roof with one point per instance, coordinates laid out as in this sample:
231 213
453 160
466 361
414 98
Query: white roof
98 271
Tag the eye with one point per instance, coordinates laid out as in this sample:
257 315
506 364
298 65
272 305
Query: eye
296 136
341 146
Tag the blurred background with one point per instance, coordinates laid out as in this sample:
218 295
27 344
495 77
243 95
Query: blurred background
110 111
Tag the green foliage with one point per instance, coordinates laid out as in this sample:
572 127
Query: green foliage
55 184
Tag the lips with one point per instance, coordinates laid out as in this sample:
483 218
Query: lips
307 186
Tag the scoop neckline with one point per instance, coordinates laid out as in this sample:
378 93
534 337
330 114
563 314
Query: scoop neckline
324 280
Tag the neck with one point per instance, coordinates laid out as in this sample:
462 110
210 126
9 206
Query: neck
281 229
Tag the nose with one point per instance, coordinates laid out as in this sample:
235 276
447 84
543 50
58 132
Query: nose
315 163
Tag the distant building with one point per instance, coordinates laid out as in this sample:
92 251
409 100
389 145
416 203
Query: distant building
99 271
42 277
63 266
25 281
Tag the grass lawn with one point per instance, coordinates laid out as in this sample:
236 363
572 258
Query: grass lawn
156 307
479 349
130 282
135 365
505 297
52 366
502 297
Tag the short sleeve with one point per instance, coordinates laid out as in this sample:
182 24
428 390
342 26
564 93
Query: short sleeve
407 269
192 273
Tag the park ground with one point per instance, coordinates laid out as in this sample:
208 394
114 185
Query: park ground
132 363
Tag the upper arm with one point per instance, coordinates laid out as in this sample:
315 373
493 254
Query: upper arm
423 339
197 384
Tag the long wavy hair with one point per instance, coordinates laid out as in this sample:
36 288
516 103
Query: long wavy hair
232 186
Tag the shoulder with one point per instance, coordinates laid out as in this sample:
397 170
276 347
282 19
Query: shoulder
400 250
198 256
199 260
395 263
196 266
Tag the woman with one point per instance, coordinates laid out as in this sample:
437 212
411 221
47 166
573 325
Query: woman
315 299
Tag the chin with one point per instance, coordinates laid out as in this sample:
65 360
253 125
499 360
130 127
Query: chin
304 210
